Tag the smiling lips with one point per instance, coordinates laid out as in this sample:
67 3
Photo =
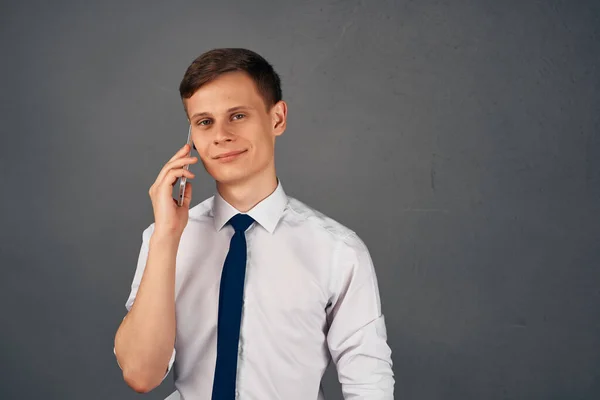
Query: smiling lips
229 156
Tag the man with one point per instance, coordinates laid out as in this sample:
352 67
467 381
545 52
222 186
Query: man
250 293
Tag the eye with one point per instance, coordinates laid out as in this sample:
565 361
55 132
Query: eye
203 122
238 116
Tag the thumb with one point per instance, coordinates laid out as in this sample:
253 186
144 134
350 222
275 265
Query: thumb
187 196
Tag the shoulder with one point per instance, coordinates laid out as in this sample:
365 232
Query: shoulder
349 251
320 224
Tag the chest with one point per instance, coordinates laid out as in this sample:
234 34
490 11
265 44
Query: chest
284 275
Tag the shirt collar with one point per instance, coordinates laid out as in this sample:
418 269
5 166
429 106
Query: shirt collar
267 213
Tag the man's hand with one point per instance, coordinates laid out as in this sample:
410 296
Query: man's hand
169 218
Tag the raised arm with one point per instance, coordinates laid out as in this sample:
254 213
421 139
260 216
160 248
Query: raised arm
144 343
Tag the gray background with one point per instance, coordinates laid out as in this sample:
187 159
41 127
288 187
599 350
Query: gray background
459 139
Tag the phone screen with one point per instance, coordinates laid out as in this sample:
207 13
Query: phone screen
183 179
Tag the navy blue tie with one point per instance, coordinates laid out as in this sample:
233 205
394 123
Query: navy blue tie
231 298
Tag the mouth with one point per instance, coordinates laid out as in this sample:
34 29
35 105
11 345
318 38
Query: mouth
229 156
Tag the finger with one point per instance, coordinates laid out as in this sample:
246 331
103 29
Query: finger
176 164
174 174
187 196
181 162
181 152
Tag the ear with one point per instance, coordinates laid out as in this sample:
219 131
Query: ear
279 117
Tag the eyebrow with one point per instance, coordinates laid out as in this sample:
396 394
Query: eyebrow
230 110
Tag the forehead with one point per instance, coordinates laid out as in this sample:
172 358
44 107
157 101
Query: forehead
231 89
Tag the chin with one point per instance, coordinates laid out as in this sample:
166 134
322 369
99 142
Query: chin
235 174
231 177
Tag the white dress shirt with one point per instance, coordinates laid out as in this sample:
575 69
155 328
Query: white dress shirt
310 296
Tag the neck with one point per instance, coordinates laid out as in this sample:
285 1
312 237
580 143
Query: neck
245 195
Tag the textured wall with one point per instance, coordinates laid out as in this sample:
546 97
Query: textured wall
459 139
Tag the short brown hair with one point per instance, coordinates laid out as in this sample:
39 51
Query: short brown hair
213 63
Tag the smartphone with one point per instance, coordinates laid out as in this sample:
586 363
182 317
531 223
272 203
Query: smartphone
183 179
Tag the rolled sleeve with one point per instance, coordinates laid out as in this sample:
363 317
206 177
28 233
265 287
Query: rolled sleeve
357 337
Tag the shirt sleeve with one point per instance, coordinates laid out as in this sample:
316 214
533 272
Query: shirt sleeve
357 337
137 278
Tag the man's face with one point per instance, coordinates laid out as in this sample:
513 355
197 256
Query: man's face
233 131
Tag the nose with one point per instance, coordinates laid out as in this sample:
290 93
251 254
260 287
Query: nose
223 134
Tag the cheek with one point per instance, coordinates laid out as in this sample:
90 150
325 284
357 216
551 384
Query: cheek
201 145
261 136
201 152
263 150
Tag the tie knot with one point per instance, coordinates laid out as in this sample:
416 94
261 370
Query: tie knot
241 222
